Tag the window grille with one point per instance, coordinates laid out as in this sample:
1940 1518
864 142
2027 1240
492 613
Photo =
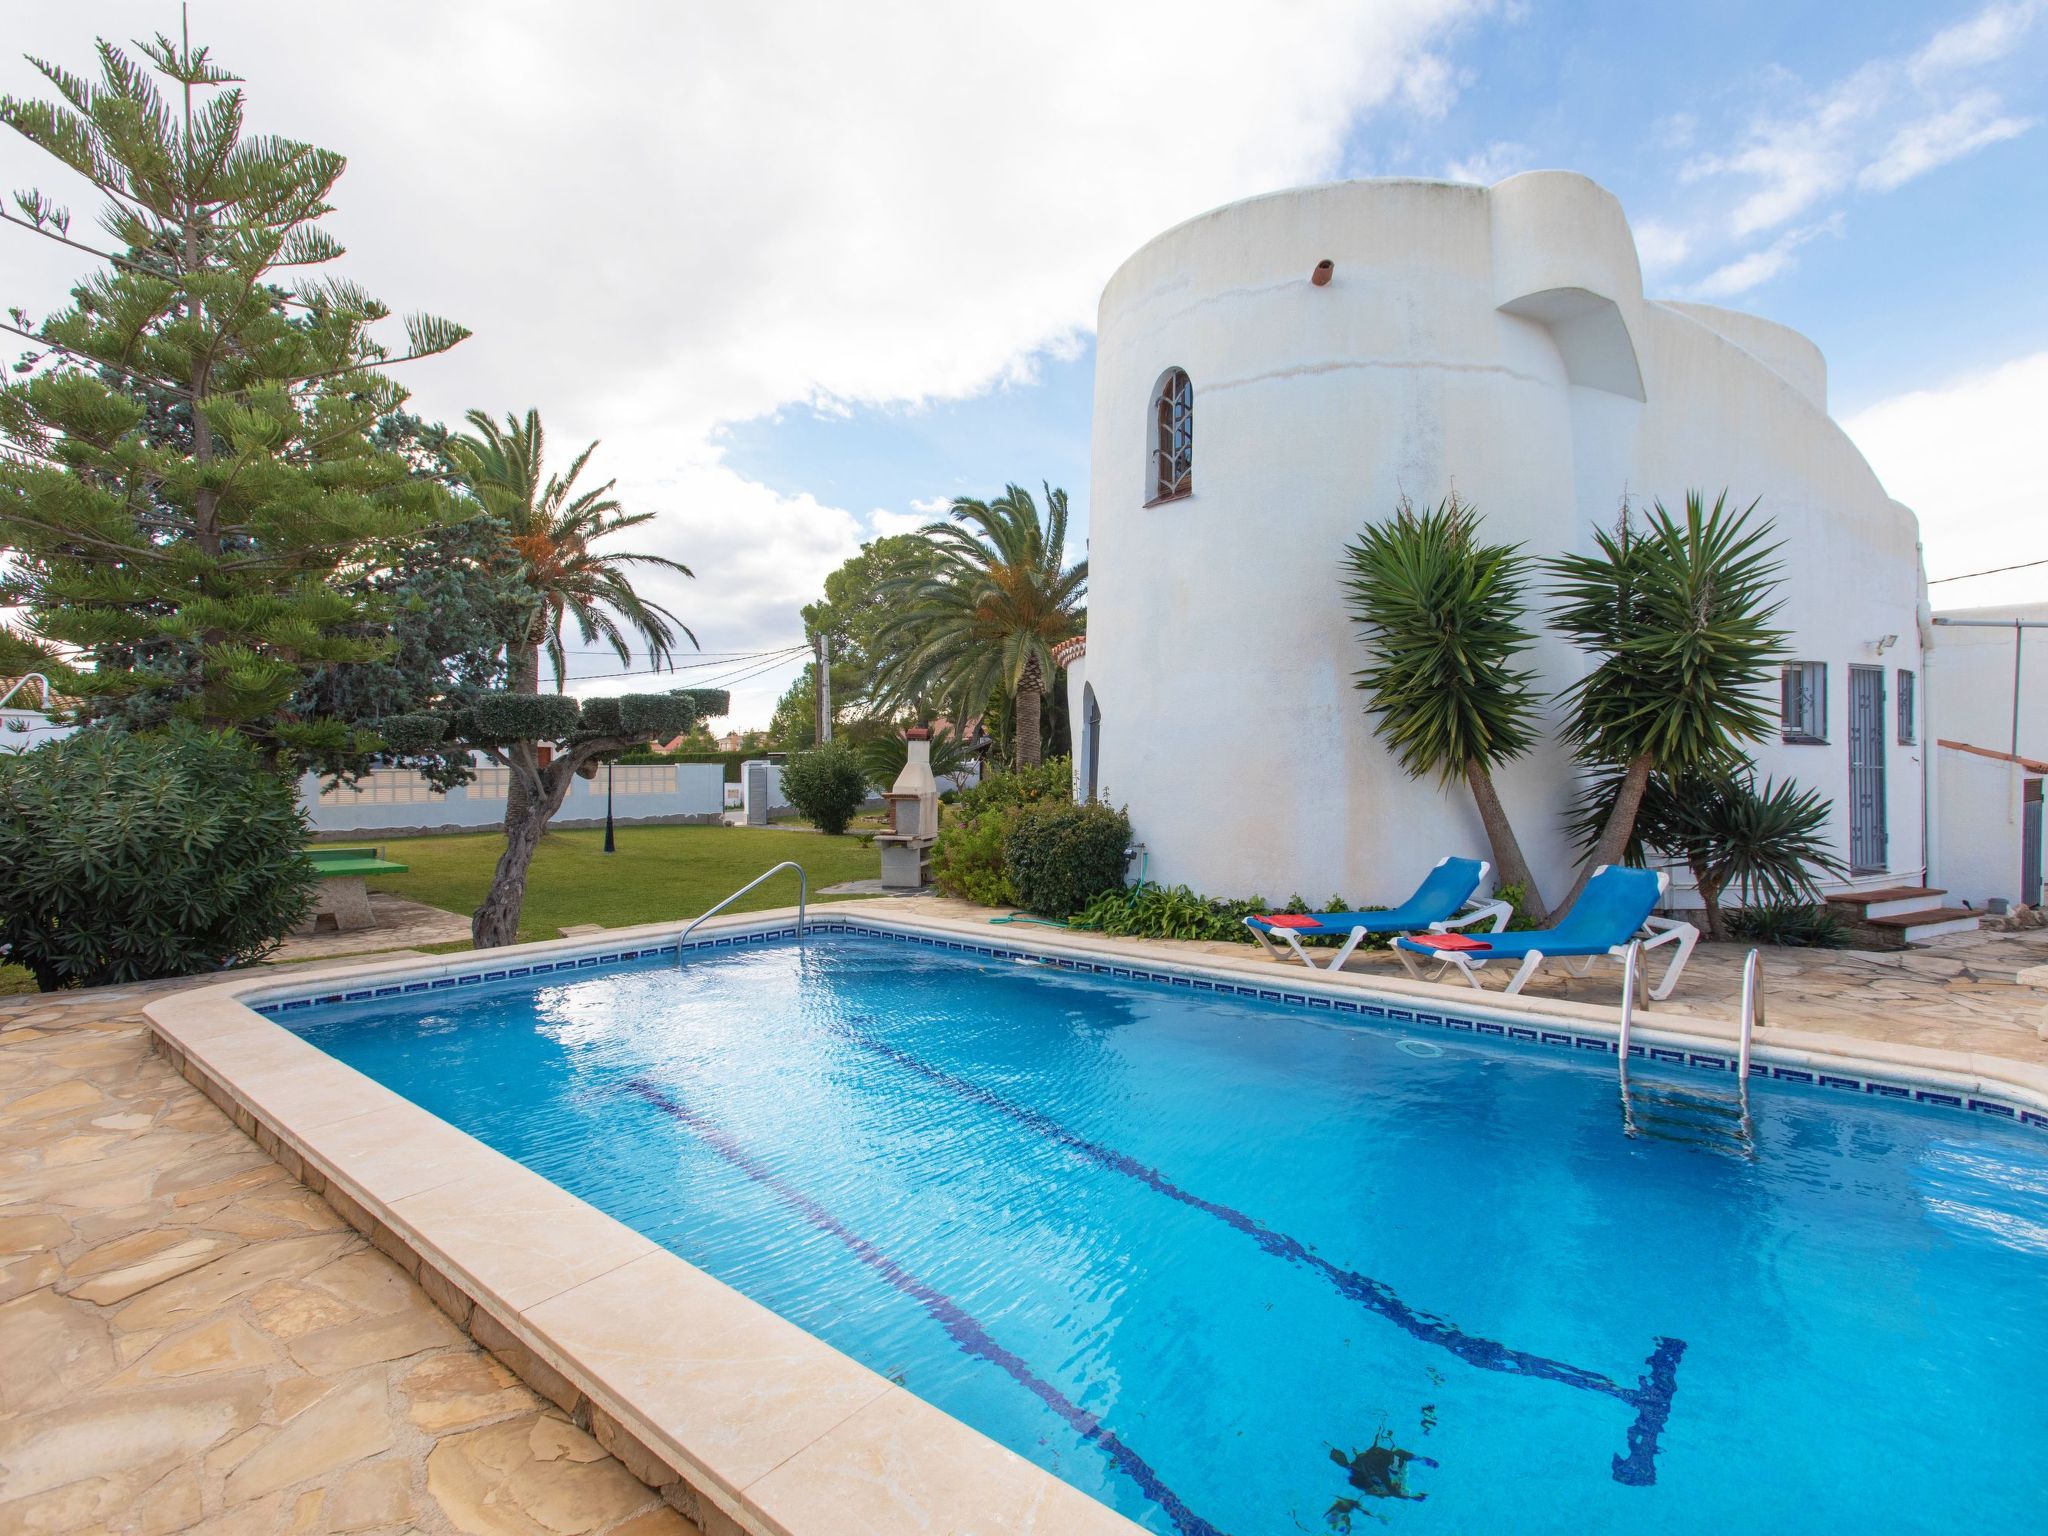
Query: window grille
1173 437
1805 701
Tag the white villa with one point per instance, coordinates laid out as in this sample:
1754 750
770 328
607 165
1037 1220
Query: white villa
1274 374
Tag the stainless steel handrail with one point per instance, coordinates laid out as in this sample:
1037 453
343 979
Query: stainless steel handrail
803 886
1752 1016
1631 973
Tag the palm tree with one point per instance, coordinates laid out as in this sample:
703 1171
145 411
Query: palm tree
1768 845
1678 614
552 527
1441 615
984 619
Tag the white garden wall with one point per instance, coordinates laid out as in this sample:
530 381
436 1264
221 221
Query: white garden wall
396 801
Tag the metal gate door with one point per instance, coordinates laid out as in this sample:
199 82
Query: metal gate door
1866 770
2030 844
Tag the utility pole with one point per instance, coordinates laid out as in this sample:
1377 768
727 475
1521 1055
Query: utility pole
823 648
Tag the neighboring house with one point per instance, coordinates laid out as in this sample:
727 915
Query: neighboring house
1987 732
1272 375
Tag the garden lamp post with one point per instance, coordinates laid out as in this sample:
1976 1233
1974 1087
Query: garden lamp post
609 845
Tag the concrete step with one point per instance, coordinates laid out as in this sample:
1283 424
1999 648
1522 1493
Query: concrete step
1891 901
1926 923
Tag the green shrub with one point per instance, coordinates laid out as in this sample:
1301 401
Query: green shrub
1523 920
1793 924
131 858
967 860
1060 857
825 785
1051 780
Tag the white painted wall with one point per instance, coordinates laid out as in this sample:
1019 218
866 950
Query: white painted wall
1495 340
395 801
1976 843
21 729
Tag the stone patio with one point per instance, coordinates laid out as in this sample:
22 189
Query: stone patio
1979 992
191 1340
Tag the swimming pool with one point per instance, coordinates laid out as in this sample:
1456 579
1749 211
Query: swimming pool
1243 1265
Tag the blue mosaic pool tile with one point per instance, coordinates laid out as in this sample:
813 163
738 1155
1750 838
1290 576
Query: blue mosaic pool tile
1700 1060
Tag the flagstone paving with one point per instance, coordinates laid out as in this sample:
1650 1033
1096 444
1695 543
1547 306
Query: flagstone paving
190 1340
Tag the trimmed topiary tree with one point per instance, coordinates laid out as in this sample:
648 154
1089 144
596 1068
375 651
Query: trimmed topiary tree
512 729
1059 858
825 785
136 857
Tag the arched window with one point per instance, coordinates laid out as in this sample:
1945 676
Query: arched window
1173 436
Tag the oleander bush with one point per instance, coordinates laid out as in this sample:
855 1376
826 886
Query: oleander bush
137 857
1060 856
825 786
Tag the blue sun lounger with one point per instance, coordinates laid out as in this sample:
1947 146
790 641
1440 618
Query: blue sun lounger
1613 910
1442 902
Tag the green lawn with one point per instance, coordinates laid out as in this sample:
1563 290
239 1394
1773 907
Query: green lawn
659 874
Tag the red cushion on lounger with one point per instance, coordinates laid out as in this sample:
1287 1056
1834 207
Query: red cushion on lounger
1290 920
1450 941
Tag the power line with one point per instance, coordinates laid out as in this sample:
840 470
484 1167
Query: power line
1996 570
720 659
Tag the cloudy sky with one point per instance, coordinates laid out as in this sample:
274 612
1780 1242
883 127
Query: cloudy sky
810 268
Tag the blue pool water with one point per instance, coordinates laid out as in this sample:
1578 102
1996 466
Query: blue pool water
1234 1266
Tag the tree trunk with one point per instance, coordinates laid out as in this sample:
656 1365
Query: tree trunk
1030 696
496 922
522 676
1621 824
1710 903
1510 868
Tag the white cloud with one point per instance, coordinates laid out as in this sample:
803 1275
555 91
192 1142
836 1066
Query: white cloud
1661 246
1495 162
659 219
1758 267
1877 128
1972 123
1985 38
1964 455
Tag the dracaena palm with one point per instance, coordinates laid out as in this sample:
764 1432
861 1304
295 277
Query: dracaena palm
1440 615
1767 845
984 619
554 528
1677 614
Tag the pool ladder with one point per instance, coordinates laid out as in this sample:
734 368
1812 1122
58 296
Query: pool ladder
1752 1015
803 890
